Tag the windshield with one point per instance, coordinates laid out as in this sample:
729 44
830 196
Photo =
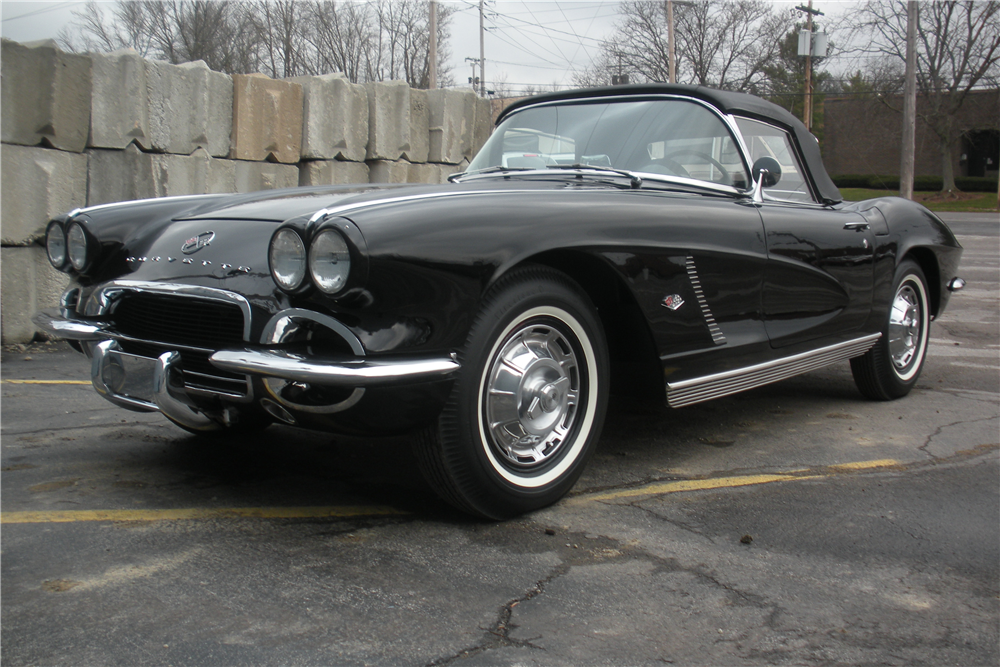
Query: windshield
667 137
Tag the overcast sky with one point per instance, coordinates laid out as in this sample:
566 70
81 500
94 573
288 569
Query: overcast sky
527 42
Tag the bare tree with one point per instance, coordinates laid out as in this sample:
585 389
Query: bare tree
374 40
720 43
958 49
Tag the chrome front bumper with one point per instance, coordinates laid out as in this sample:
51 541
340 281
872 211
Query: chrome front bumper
156 384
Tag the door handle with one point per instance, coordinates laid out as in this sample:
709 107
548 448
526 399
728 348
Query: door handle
858 226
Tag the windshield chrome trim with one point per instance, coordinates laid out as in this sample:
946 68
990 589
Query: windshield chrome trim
644 175
728 120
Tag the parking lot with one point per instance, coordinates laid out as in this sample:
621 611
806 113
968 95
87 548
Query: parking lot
794 523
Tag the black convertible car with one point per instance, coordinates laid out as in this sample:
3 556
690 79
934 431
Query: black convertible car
674 240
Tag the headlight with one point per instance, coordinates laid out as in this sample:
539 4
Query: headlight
329 261
287 256
76 246
55 245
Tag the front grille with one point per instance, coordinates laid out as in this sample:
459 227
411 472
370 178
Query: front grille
179 320
162 321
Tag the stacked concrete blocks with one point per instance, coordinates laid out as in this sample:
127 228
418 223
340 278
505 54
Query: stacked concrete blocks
84 130
46 96
267 119
132 174
37 184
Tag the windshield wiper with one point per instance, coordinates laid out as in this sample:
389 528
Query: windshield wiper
634 180
488 170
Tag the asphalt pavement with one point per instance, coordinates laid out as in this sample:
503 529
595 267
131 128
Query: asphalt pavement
796 523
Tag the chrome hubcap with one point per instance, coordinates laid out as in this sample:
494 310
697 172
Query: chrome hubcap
905 321
532 395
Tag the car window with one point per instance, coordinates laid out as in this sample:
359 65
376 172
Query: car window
667 137
764 140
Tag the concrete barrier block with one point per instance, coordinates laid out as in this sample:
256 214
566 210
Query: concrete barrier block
483 125
119 110
190 107
28 283
267 119
388 120
195 174
254 176
452 117
120 176
335 118
46 96
332 172
388 171
419 127
37 184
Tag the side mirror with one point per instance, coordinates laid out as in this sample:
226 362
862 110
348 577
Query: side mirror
769 168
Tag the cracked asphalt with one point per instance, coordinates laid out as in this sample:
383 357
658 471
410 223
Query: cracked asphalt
793 524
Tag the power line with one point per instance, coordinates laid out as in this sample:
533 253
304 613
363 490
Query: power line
43 10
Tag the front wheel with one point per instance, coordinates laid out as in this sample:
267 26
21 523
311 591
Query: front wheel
528 405
890 369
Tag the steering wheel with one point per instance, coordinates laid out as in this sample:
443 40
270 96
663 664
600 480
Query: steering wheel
708 158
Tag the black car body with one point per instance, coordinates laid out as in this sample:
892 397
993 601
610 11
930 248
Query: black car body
667 239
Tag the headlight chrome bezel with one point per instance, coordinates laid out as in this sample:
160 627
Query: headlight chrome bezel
297 277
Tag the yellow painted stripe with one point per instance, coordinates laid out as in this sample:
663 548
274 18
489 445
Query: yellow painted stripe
663 488
866 465
46 382
198 513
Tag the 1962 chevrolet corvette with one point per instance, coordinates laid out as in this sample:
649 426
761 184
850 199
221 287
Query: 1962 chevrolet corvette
668 239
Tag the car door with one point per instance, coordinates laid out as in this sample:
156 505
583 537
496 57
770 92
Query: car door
820 260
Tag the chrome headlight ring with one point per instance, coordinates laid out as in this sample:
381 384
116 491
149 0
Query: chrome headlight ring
286 258
55 245
79 247
330 261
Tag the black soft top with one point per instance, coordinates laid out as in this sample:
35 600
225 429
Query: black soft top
740 104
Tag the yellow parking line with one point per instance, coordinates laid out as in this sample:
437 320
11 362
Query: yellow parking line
349 511
200 514
866 465
663 488
45 381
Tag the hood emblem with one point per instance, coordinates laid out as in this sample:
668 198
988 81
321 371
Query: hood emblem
196 243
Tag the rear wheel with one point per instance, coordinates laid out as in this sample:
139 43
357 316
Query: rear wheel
890 369
528 405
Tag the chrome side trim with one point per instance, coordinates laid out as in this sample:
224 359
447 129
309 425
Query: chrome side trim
713 327
704 388
347 373
102 299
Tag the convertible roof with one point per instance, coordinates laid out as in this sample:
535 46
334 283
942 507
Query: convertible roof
727 102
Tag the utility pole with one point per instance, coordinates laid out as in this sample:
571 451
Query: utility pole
433 49
908 148
671 58
482 53
807 112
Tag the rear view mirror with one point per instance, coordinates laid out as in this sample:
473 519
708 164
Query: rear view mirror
769 168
